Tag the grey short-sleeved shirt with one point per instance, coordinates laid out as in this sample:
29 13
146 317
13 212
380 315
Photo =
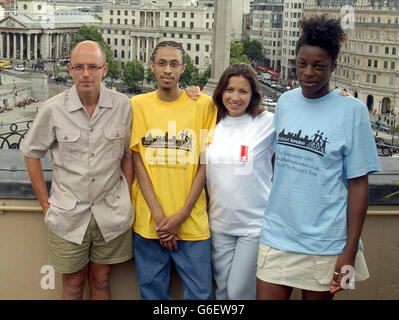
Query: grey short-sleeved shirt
86 155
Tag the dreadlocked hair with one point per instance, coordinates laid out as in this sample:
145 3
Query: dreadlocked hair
172 44
321 32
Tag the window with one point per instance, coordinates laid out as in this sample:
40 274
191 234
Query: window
368 78
116 42
207 48
391 81
374 78
183 24
386 50
191 24
197 60
166 23
385 64
198 36
189 46
197 47
392 65
175 24
394 51
375 64
369 63
192 15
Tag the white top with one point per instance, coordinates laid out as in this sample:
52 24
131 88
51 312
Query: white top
239 172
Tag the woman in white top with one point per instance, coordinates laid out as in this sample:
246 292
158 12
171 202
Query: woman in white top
239 172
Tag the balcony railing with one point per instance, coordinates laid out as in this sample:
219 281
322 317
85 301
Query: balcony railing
12 137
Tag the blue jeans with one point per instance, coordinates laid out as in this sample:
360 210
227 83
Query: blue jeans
153 265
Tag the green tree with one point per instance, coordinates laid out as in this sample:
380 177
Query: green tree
237 53
150 77
252 49
202 78
188 74
92 33
133 74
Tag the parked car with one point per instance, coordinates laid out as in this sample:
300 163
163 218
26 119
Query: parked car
383 127
19 67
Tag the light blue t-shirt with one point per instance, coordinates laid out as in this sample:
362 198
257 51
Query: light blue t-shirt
319 145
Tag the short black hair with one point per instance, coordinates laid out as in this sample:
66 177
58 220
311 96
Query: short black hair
318 31
172 44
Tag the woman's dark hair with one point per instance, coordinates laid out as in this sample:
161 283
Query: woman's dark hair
318 31
237 70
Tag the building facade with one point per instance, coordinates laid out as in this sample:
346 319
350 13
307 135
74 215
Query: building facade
368 66
36 32
133 31
267 27
293 13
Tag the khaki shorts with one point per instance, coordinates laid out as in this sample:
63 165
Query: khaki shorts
303 271
68 257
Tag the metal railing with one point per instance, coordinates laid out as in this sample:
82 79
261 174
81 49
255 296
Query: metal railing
12 139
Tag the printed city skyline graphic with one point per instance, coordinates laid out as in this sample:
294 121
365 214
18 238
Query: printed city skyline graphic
182 142
315 144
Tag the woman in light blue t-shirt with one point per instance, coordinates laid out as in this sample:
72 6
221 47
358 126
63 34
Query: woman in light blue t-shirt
324 151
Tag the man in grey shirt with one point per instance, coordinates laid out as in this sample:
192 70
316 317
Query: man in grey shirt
89 212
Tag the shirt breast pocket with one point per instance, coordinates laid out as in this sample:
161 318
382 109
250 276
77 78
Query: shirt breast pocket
69 144
114 142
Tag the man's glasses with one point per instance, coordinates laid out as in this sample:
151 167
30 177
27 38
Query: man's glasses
91 68
172 65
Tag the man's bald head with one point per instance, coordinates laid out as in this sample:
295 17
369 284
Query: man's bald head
90 45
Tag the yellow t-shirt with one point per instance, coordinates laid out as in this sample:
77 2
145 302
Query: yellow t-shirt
169 137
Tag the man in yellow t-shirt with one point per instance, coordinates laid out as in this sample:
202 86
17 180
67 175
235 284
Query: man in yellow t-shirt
169 132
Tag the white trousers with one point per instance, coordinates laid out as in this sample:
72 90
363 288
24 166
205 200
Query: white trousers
234 261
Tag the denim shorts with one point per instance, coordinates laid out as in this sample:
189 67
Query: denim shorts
153 265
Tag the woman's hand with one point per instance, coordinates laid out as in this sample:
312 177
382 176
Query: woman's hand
343 273
194 92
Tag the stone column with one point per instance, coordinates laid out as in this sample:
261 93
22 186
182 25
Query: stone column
1 45
35 46
138 49
15 46
50 45
131 48
28 56
21 46
57 45
8 55
221 42
147 50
